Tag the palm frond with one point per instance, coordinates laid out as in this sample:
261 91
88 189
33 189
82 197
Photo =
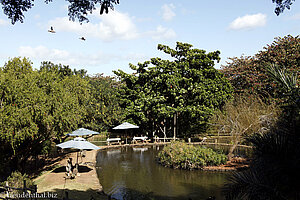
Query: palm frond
286 79
250 185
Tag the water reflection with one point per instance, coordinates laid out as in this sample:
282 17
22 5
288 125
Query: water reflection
132 173
140 149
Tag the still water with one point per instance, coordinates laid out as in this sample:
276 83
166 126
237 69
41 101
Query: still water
133 173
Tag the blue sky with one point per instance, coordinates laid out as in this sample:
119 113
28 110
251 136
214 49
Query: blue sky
131 33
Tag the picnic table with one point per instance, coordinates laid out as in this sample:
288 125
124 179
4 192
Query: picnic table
142 139
113 141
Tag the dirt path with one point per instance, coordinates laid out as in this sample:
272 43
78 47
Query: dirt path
85 186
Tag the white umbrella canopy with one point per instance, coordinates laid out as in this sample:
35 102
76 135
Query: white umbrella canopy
78 143
125 125
82 132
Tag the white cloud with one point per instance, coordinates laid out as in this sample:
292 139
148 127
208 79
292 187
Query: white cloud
3 22
112 26
168 12
162 33
115 25
248 22
43 53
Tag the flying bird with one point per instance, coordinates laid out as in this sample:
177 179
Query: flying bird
51 30
82 38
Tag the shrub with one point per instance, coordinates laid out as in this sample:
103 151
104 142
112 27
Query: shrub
183 156
16 180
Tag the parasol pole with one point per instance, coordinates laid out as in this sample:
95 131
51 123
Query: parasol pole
77 172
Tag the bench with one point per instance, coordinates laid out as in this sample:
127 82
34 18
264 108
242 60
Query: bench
142 139
111 141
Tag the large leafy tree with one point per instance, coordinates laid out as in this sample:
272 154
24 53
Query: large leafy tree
174 96
249 74
103 110
37 107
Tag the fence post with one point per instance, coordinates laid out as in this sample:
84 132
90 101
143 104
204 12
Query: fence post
7 191
24 186
67 195
35 190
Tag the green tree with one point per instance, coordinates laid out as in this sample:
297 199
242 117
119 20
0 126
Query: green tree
103 110
174 97
37 107
62 70
248 75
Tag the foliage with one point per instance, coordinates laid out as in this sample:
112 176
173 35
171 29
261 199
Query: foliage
78 9
274 171
183 156
281 5
37 107
62 70
16 180
288 81
248 75
103 110
182 93
243 117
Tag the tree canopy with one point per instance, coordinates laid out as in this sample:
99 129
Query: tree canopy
163 95
38 107
81 8
77 9
103 110
281 5
249 74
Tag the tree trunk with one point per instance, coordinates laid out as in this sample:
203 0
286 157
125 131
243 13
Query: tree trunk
175 125
153 129
231 149
165 129
236 142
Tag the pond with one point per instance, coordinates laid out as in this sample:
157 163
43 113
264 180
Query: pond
133 173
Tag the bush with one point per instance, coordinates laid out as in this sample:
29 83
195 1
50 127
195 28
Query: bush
183 156
16 180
